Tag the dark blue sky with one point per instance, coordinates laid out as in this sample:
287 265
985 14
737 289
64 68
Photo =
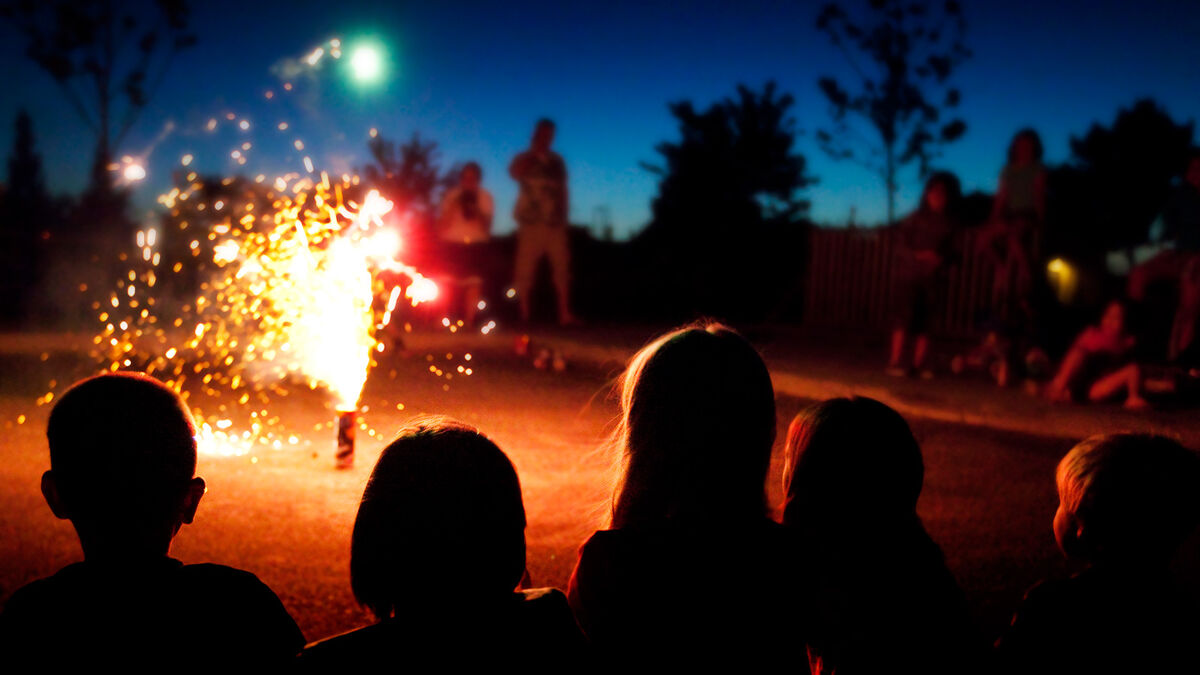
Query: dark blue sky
473 76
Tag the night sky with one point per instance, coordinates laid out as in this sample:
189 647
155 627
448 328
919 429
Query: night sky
475 76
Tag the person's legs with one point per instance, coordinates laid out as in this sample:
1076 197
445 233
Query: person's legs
530 248
1183 327
471 292
558 248
1127 379
920 351
897 353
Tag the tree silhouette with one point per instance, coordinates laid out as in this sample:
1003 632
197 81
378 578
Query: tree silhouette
106 57
1125 172
409 176
911 50
25 211
734 166
728 197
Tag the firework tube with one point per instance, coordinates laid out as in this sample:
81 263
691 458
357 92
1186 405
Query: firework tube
347 420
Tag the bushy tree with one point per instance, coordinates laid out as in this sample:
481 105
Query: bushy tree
410 176
729 206
903 54
734 166
1124 172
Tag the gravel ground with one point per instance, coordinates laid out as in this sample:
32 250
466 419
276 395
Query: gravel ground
286 515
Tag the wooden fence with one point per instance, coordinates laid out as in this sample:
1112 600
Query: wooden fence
852 278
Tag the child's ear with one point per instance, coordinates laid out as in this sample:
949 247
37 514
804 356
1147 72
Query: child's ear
191 499
1077 542
50 492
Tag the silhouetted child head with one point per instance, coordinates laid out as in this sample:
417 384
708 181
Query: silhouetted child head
698 422
942 193
1126 498
1025 148
122 465
850 463
441 517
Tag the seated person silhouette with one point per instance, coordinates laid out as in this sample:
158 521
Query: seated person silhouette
437 551
882 598
692 570
122 470
1126 504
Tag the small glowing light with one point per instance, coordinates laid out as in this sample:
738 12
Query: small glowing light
186 159
212 124
282 126
511 293
308 163
244 125
374 132
299 144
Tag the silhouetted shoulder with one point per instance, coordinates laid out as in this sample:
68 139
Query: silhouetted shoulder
668 589
1103 621
211 613
532 630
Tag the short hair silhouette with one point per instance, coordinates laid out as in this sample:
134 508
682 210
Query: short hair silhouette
473 166
122 454
697 425
545 123
1033 136
1132 496
441 513
847 459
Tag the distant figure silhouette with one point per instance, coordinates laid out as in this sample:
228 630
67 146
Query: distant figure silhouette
883 599
1100 364
1126 503
1018 217
541 215
1179 263
122 470
692 569
438 547
925 251
464 223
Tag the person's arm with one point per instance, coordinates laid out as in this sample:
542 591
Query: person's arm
486 209
566 204
1059 387
519 166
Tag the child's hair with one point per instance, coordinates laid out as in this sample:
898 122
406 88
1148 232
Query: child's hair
545 123
953 191
122 451
847 459
472 166
697 425
1135 495
1034 138
441 515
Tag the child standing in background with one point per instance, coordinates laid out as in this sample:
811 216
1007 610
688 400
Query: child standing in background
924 252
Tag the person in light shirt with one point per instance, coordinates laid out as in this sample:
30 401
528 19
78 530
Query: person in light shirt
464 223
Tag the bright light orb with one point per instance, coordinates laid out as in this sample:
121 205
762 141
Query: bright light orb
366 63
134 172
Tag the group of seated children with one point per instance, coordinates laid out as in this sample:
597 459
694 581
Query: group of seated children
691 572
